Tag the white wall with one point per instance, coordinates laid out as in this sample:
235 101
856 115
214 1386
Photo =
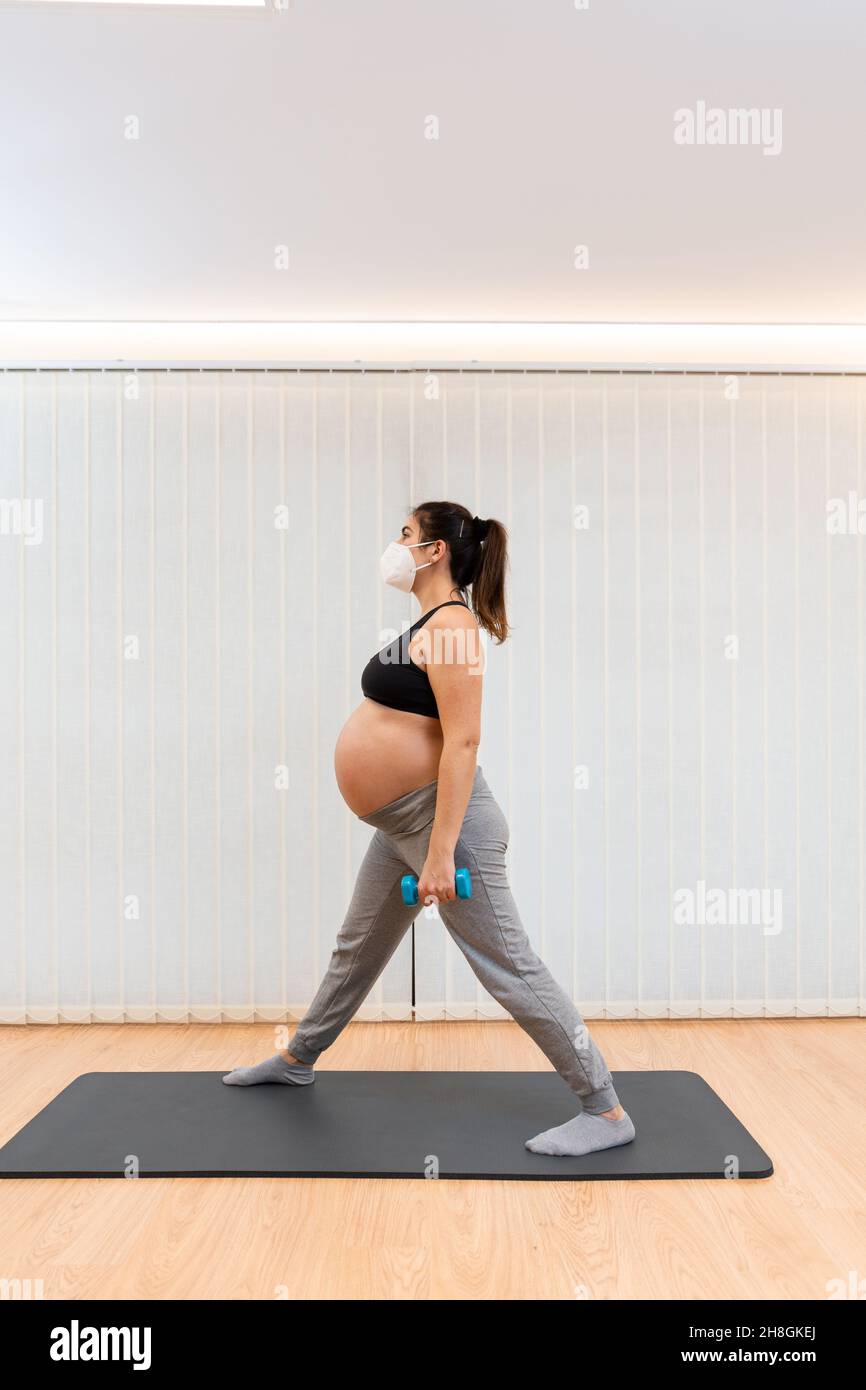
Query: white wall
153 777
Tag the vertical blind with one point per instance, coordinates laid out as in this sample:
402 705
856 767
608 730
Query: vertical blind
189 591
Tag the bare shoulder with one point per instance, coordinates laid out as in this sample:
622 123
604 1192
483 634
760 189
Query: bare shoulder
453 616
450 638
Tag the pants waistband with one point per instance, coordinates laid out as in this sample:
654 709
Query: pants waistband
415 810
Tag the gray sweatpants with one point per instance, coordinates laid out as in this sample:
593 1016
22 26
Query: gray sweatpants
486 927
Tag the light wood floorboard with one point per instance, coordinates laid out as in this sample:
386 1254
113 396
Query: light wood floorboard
798 1086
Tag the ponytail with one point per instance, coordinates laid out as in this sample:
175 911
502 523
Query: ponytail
488 586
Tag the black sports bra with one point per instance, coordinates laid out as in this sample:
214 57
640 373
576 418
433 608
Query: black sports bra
392 678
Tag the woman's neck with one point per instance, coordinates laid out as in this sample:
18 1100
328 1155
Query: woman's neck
435 591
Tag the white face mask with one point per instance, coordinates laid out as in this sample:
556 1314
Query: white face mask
397 565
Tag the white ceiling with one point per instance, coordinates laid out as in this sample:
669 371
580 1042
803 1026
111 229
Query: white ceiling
306 128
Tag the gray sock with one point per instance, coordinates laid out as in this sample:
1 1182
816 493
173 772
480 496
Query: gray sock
274 1069
583 1135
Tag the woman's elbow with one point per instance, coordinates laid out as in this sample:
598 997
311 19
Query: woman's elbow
463 743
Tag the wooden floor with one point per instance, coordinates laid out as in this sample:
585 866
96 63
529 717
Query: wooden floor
798 1086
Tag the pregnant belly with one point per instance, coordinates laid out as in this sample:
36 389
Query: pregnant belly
384 753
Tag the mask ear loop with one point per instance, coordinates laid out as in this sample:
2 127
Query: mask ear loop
460 536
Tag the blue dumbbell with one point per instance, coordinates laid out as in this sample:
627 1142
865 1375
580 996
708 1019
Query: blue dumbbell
409 886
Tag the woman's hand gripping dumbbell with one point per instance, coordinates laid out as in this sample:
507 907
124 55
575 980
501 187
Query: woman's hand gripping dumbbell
462 887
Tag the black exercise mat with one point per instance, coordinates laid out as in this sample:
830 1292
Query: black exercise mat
386 1124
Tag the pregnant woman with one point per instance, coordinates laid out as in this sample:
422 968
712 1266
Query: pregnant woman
405 764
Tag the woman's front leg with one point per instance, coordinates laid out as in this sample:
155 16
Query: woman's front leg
375 923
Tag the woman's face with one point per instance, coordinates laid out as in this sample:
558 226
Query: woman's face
411 532
411 535
431 552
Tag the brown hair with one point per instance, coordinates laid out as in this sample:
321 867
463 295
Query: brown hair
479 558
